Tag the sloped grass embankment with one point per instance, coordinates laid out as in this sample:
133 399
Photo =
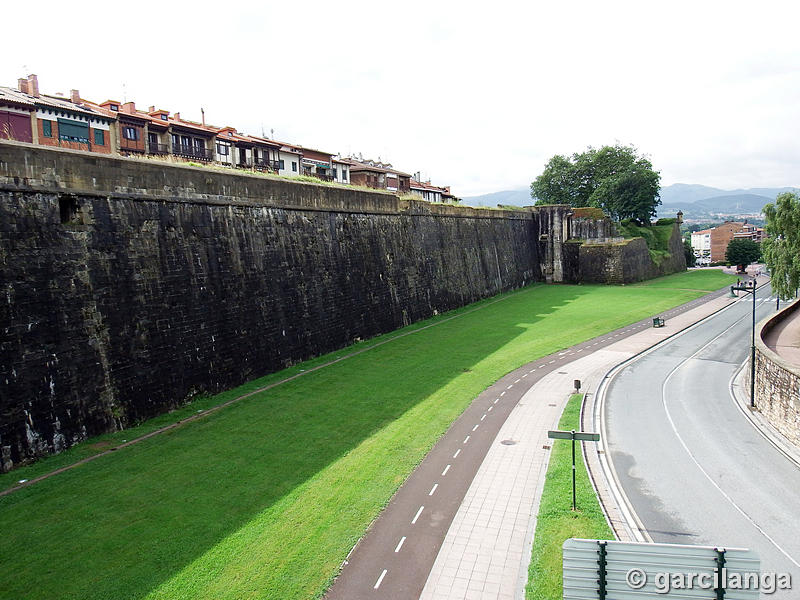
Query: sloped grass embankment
265 498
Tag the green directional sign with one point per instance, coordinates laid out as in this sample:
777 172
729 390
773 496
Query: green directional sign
580 436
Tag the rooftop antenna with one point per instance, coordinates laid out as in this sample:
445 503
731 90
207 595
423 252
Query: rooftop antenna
271 134
262 131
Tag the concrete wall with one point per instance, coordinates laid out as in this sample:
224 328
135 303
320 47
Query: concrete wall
777 389
128 285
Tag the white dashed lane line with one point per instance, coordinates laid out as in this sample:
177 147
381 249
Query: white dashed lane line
400 544
517 381
380 579
457 453
416 516
489 409
495 400
474 428
433 489
509 387
482 418
466 439
446 469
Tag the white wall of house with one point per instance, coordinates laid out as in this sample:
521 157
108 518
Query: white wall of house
428 195
342 172
288 158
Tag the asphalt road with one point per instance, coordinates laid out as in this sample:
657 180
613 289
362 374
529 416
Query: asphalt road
692 465
394 558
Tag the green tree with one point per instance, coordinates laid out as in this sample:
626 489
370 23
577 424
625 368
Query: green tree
688 252
782 247
742 251
613 178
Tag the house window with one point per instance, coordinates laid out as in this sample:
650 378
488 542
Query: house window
152 138
130 133
73 131
163 117
47 128
281 165
113 107
99 137
335 173
223 149
294 166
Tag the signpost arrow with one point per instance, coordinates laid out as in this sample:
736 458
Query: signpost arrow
579 436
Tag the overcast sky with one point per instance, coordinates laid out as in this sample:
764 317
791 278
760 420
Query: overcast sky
476 95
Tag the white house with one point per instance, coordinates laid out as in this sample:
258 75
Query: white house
701 244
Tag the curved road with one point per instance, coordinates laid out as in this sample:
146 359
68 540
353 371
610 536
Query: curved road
693 466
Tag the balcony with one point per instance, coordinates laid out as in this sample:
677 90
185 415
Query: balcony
158 148
190 151
131 145
260 165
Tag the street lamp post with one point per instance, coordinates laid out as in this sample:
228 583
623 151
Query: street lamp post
751 289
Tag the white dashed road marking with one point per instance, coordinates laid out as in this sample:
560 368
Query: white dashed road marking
433 489
400 544
378 583
446 469
466 439
474 428
457 453
416 516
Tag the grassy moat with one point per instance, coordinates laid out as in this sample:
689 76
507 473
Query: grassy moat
265 498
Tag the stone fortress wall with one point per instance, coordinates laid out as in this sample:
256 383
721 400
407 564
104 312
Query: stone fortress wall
128 285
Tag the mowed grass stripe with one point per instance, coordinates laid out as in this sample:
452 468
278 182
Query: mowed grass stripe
556 521
265 498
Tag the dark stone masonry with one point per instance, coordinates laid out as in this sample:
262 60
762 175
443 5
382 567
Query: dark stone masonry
128 286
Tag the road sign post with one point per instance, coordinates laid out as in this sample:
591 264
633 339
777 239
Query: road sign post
575 436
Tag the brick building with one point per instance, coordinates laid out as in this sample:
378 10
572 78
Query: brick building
709 245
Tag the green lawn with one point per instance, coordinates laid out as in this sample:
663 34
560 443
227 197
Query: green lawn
557 521
702 279
265 498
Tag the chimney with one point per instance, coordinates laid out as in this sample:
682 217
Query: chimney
151 109
33 85
129 107
22 84
176 116
75 96
203 116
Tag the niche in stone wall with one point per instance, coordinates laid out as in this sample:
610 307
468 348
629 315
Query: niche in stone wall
70 210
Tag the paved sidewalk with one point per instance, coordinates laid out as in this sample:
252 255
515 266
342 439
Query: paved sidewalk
486 551
784 339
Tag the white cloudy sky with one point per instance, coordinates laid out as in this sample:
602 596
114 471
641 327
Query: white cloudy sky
477 95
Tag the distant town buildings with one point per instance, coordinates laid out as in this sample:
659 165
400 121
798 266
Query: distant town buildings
112 127
709 245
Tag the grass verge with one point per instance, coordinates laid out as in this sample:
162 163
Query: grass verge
265 498
557 521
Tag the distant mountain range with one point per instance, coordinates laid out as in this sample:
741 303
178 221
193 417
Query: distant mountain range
696 201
